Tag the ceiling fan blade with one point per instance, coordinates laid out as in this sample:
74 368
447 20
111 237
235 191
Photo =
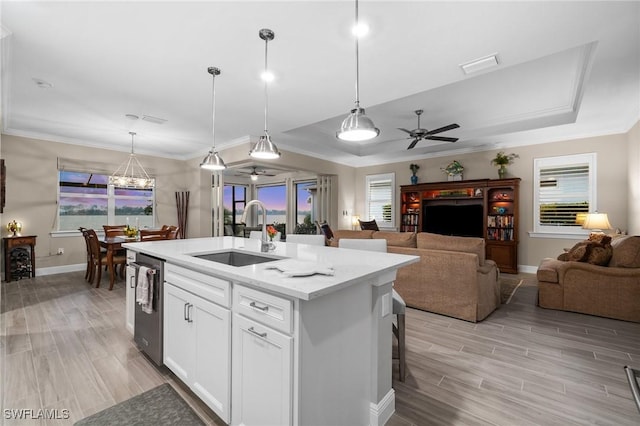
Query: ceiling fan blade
404 130
412 144
443 129
441 138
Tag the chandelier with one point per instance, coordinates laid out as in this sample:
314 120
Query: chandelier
131 174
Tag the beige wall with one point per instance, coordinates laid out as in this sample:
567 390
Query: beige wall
32 168
612 183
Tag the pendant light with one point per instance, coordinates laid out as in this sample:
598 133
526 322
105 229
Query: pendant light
265 148
131 174
213 161
357 126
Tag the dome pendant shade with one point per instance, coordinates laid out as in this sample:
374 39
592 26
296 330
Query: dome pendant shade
265 149
213 162
357 127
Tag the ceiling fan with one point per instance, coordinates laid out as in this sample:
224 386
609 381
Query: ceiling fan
254 173
419 134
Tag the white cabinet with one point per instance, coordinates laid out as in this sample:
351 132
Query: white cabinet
130 295
197 342
262 374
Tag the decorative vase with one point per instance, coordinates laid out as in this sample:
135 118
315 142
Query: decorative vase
502 170
414 179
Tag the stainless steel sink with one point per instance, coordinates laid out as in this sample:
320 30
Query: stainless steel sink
235 258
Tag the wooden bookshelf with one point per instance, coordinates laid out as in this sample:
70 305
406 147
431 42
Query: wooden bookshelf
496 198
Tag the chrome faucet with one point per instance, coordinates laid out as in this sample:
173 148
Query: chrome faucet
265 245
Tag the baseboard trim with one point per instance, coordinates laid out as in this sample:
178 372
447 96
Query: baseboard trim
527 269
380 413
52 270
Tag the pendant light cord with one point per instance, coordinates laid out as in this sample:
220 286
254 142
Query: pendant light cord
213 114
266 96
132 135
357 60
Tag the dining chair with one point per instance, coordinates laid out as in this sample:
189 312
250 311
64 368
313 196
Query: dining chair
311 239
398 308
154 234
99 258
113 230
173 232
85 235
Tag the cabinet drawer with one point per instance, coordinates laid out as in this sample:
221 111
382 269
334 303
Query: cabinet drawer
213 289
266 308
21 241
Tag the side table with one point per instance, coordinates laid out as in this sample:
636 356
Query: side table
10 243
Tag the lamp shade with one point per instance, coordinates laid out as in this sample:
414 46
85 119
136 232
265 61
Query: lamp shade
265 149
596 221
213 162
357 127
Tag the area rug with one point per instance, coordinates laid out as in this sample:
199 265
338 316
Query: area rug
508 287
159 406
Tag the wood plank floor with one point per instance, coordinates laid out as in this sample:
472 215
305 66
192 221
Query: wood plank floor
64 347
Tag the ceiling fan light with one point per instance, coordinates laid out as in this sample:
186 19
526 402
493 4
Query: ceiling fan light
254 176
265 149
357 127
213 162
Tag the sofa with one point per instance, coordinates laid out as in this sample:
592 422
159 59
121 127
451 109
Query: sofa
452 278
611 290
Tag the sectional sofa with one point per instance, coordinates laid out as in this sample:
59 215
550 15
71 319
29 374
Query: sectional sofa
452 278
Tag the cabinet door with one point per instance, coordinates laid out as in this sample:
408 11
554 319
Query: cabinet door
179 347
262 374
130 298
212 347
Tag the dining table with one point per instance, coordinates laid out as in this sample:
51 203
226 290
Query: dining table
112 245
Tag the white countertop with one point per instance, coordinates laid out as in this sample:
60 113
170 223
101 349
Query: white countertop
349 266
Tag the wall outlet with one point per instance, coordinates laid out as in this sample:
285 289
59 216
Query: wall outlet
60 250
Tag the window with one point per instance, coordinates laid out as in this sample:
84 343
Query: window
85 199
304 207
274 198
234 198
379 199
565 190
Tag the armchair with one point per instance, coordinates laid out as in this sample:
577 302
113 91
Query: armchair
611 291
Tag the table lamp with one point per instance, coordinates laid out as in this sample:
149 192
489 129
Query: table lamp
596 222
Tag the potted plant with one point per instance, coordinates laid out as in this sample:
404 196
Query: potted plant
502 160
414 168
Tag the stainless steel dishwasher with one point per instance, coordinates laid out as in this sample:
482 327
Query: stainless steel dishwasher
148 326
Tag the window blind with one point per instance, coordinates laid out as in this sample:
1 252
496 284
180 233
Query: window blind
563 194
380 196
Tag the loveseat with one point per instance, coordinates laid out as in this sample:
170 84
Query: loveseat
452 278
611 290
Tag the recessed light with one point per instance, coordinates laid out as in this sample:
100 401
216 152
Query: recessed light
360 30
267 76
131 116
42 84
480 64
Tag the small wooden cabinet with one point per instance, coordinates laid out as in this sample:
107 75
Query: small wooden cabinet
486 208
22 267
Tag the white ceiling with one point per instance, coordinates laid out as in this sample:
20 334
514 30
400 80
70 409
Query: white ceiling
566 69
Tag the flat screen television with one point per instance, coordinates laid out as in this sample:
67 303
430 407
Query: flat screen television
463 220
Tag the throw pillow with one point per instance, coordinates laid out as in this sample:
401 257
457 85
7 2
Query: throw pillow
596 250
626 252
370 225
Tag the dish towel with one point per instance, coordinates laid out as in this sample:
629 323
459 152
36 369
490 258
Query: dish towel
144 289
300 268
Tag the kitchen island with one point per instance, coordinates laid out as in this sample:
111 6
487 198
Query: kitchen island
260 346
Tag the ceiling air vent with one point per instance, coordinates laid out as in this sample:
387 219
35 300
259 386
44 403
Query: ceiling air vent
480 64
152 119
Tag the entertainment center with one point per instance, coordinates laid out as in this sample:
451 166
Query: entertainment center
485 208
